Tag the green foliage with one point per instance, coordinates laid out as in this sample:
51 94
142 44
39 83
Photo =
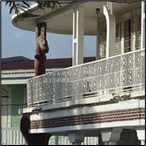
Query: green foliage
18 6
48 4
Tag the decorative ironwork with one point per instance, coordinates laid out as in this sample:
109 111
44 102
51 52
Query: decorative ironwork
102 77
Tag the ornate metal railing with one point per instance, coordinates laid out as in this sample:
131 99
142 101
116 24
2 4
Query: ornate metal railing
98 78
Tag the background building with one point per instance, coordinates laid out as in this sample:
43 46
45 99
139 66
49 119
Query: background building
15 73
104 98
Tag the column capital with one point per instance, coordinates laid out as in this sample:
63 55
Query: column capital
111 135
76 137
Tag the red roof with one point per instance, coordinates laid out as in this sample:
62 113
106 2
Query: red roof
20 62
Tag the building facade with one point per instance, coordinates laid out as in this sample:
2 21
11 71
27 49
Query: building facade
13 82
104 98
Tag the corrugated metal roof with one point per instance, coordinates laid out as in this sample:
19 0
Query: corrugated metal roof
20 62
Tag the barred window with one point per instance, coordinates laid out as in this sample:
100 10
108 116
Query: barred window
127 35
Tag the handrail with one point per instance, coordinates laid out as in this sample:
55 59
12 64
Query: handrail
111 75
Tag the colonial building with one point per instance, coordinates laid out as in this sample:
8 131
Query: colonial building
104 98
14 75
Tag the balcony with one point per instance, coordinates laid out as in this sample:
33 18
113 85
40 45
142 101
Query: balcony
99 80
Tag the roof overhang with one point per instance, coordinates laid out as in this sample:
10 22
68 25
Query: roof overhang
60 20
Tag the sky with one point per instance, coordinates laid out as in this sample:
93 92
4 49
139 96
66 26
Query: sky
18 42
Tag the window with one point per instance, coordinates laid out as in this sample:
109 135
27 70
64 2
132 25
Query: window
127 35
118 38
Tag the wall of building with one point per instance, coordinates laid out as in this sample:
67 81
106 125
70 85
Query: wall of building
13 98
17 101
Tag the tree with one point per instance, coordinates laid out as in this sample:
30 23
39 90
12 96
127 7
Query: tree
18 6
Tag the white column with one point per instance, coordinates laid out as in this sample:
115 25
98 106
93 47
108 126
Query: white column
76 137
142 24
110 35
141 134
111 136
78 35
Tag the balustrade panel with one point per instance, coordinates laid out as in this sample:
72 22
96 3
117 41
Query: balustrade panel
102 77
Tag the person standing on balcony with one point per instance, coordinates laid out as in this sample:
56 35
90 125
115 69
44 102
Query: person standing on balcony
41 49
40 68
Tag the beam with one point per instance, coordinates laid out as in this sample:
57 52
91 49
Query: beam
49 15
